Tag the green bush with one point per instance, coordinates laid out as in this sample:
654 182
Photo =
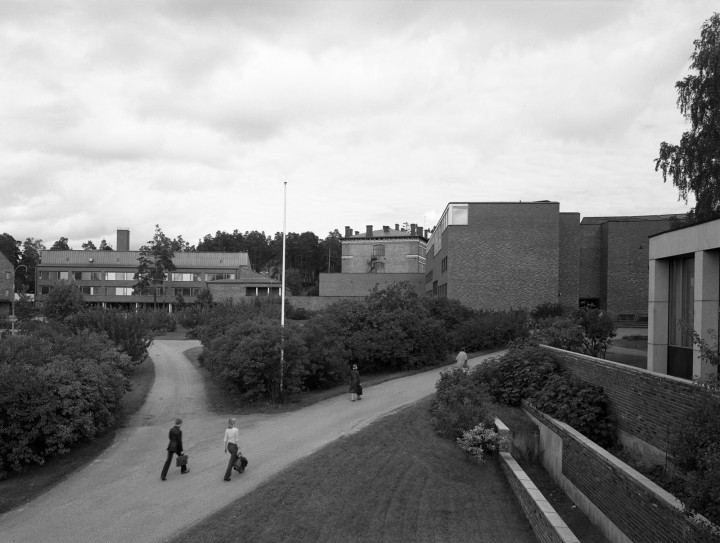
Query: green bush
130 331
519 374
247 356
458 403
56 388
547 310
581 405
695 448
63 300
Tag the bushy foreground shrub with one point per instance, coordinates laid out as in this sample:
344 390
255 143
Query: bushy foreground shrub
479 441
695 447
519 374
56 388
458 403
530 372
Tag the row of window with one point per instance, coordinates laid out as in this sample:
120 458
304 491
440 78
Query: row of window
122 291
126 276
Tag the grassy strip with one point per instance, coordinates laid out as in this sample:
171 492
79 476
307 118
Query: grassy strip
396 480
19 488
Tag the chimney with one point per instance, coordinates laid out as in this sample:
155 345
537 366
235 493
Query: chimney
123 239
397 226
413 228
420 231
348 231
386 229
368 231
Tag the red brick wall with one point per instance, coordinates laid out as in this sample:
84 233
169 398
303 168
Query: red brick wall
645 404
638 510
591 276
627 264
360 284
506 257
569 268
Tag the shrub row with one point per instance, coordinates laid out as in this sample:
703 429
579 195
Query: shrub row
525 372
389 330
56 388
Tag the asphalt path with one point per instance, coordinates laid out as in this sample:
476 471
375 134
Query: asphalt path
120 497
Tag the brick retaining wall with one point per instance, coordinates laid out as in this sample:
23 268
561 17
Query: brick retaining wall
624 504
646 405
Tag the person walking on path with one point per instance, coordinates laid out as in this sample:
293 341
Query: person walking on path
354 383
462 358
232 446
174 447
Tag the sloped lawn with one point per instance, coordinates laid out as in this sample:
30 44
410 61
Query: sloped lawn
396 480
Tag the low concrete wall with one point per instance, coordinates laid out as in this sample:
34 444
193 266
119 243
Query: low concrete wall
545 522
625 505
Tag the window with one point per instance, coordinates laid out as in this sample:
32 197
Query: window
682 298
63 275
435 288
218 276
120 291
186 291
681 317
87 276
185 277
443 264
378 250
119 276
92 291
7 275
49 275
442 291
379 267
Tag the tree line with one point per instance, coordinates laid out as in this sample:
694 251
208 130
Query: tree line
307 255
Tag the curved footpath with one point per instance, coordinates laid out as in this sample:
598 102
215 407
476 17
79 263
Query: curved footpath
120 498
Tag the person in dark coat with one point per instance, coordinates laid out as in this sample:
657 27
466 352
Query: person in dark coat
354 383
174 447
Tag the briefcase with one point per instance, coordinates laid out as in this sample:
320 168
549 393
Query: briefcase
181 460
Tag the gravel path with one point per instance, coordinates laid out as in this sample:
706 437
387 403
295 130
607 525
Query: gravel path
120 498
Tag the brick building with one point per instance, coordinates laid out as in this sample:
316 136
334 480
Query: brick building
377 258
614 262
502 255
106 278
7 285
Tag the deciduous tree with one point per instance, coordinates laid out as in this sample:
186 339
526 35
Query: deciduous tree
61 245
154 263
694 164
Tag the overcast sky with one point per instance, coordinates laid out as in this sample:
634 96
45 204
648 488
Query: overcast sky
191 114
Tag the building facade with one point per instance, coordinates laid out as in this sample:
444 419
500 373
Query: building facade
684 294
377 259
614 263
7 285
503 255
106 278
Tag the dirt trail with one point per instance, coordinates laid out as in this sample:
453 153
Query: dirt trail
120 498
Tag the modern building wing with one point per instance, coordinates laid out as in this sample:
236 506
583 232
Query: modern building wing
684 294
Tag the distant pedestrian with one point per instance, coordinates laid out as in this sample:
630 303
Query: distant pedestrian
462 359
232 446
174 447
354 383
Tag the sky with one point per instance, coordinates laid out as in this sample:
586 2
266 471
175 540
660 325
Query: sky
202 116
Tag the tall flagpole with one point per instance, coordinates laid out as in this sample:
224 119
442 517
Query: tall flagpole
282 297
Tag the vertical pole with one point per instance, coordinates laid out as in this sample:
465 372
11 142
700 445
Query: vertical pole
282 298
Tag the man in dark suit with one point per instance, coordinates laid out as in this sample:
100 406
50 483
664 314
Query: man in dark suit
174 447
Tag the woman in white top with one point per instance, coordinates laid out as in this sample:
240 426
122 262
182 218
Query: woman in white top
232 445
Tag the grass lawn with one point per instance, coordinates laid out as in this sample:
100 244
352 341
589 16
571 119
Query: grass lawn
396 480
